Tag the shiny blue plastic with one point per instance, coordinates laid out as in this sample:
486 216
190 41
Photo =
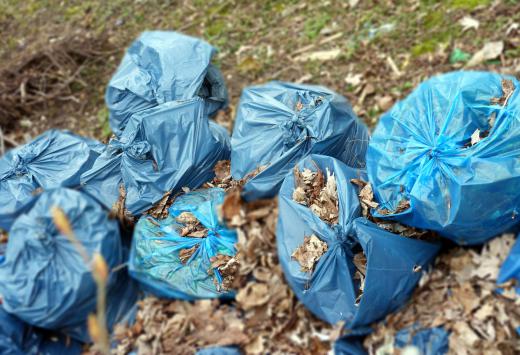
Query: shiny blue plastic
349 345
45 281
510 268
421 152
159 67
18 338
154 257
54 159
277 124
330 290
429 341
164 148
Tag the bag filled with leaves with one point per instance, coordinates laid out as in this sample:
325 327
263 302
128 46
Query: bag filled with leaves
46 280
341 266
277 124
55 158
188 255
19 338
162 149
446 158
159 67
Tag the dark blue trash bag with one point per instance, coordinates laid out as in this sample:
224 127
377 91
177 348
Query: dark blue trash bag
159 67
45 281
19 338
164 148
55 158
278 124
349 345
158 244
393 262
421 152
429 341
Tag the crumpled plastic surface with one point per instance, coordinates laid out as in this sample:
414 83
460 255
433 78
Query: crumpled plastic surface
164 148
330 291
429 341
349 345
510 269
44 280
18 338
159 67
53 159
219 350
154 258
277 124
421 152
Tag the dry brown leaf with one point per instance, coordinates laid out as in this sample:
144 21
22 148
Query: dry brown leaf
507 90
120 212
185 254
318 193
309 252
253 295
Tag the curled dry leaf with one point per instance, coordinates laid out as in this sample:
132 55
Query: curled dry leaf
191 226
228 267
186 254
308 254
160 209
318 193
507 90
360 262
4 236
120 212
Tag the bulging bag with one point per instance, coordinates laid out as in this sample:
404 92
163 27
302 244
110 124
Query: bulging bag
187 255
277 124
44 279
446 158
341 266
159 67
164 148
53 159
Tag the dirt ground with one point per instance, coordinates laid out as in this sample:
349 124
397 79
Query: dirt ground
56 58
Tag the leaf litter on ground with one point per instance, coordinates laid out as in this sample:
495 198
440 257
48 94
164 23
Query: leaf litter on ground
460 294
264 318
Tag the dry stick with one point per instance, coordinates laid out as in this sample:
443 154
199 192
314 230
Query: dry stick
97 325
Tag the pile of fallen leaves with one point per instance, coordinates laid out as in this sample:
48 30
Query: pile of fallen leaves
318 192
460 294
264 318
367 201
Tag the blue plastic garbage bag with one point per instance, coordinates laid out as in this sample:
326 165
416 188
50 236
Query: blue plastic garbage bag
19 338
429 341
278 124
45 281
155 258
55 158
510 269
330 290
421 152
162 149
219 350
159 67
349 345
